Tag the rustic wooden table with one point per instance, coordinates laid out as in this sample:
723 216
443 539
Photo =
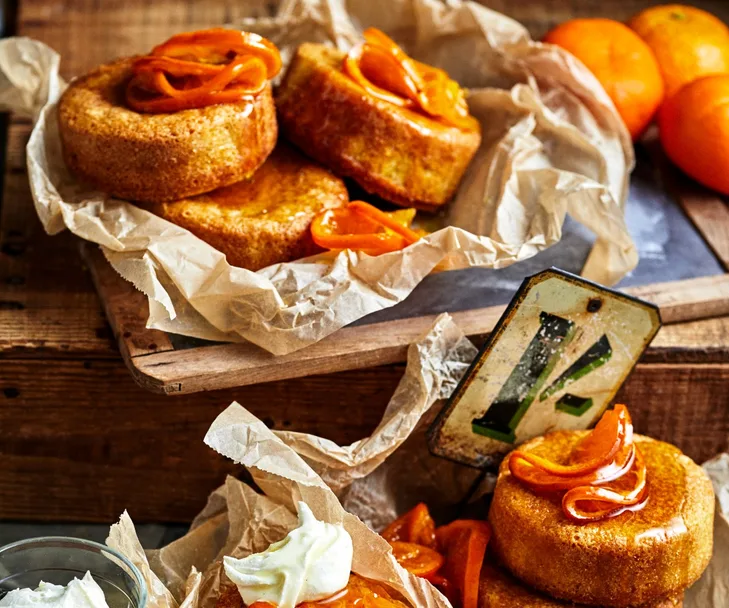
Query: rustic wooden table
80 441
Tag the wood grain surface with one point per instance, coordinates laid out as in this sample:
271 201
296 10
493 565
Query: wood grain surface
47 301
710 214
157 366
79 440
82 442
88 32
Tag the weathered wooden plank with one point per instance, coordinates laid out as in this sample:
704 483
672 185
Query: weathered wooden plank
88 33
226 365
56 488
704 341
687 405
47 301
74 326
710 215
81 441
37 394
687 300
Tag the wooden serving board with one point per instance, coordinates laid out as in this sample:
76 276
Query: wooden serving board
166 363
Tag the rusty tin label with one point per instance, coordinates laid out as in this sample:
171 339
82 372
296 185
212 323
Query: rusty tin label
555 360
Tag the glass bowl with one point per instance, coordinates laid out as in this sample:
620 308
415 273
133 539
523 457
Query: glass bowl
59 559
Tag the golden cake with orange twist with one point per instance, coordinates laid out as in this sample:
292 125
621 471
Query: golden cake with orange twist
387 142
645 549
265 219
153 128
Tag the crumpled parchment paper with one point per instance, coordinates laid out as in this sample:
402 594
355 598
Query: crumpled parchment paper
435 364
377 479
238 521
553 144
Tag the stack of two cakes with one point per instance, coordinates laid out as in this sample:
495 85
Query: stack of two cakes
645 558
216 170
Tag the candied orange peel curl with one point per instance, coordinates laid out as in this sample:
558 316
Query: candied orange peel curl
416 526
386 72
363 227
606 475
198 69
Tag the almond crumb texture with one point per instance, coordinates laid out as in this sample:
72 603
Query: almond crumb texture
159 157
265 219
401 155
629 560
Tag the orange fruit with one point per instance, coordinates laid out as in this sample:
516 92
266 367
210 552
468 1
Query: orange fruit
417 559
688 42
621 61
694 127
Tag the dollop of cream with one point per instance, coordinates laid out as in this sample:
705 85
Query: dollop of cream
310 564
84 593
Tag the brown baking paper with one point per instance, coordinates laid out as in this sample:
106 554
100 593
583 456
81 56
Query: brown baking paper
239 521
376 483
123 538
553 145
435 364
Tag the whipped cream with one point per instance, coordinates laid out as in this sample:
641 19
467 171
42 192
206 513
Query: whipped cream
310 564
84 593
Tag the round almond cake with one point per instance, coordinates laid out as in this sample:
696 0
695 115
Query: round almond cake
160 157
629 560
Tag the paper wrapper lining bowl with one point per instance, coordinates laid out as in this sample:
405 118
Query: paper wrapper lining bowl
553 145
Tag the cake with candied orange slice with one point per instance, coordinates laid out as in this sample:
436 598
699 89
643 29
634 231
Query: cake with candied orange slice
194 115
604 518
500 590
397 127
265 219
359 592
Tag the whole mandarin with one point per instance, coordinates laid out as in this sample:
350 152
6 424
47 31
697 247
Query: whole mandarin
688 43
621 61
694 130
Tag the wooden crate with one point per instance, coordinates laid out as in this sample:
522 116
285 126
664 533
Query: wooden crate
80 441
